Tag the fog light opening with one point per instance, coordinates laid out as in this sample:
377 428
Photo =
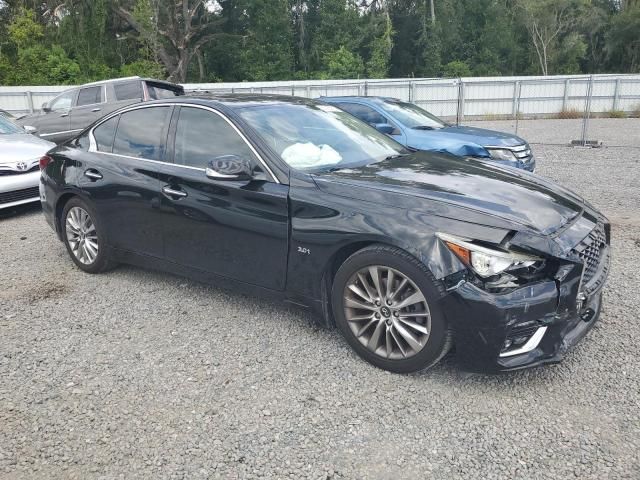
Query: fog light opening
520 342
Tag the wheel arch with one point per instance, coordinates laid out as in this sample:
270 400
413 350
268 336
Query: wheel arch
338 258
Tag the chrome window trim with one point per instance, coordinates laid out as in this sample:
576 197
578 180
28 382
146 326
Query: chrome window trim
59 133
93 146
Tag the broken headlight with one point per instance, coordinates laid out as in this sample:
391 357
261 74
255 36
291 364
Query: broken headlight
497 268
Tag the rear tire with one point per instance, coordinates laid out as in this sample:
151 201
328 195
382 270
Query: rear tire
84 238
387 306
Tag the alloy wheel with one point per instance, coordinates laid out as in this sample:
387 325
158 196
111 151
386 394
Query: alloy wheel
387 312
81 235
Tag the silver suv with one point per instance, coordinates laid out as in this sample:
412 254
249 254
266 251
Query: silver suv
73 110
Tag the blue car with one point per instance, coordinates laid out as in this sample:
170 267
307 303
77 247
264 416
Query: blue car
418 129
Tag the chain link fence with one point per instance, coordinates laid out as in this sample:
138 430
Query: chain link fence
588 110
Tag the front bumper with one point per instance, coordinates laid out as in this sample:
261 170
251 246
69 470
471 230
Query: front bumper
19 189
529 165
483 321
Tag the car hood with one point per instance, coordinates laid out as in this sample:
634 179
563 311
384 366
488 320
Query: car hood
22 146
461 141
508 194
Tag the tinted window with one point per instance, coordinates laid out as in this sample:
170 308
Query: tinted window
140 133
63 102
413 116
89 96
104 133
128 90
364 113
202 135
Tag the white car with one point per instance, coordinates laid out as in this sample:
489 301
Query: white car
20 154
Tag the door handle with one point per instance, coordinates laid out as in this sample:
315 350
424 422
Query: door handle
66 114
172 192
96 109
93 175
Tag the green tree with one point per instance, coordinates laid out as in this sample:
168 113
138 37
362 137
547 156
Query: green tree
343 64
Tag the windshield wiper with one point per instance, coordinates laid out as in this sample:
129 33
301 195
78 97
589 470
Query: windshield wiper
424 127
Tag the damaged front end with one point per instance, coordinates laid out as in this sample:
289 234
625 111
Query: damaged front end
527 300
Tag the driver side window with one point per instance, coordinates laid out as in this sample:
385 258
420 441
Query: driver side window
63 102
364 113
202 135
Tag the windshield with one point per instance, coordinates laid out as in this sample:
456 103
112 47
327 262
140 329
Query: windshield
8 127
319 137
413 116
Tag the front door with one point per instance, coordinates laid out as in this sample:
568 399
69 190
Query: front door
55 124
234 229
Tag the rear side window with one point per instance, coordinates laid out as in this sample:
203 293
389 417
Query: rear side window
104 134
364 113
202 135
128 90
89 96
141 133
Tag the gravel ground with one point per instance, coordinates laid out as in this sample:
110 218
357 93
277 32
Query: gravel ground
138 374
611 131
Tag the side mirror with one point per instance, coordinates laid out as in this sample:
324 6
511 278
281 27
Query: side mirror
30 129
45 107
385 128
229 167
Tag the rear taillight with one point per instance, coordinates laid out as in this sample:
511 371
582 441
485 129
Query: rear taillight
44 161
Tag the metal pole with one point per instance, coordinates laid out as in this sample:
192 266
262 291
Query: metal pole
460 111
587 112
519 95
30 101
410 92
616 95
565 99
366 89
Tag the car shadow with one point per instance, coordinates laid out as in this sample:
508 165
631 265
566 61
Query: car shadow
26 209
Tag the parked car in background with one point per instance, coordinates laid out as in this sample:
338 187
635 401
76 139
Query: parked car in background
406 252
9 115
418 129
20 154
75 109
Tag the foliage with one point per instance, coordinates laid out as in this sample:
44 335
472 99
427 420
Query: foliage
455 69
74 41
343 64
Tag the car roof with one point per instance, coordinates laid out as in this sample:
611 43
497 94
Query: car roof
125 79
359 98
236 100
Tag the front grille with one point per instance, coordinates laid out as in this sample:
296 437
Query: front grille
18 195
522 153
18 172
590 251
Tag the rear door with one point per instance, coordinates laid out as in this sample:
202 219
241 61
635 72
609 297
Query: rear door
88 108
123 179
235 229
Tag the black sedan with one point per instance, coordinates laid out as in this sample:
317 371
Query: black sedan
407 253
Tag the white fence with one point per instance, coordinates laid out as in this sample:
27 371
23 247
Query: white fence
506 97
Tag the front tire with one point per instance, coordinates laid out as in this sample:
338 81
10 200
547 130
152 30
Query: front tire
84 237
386 304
